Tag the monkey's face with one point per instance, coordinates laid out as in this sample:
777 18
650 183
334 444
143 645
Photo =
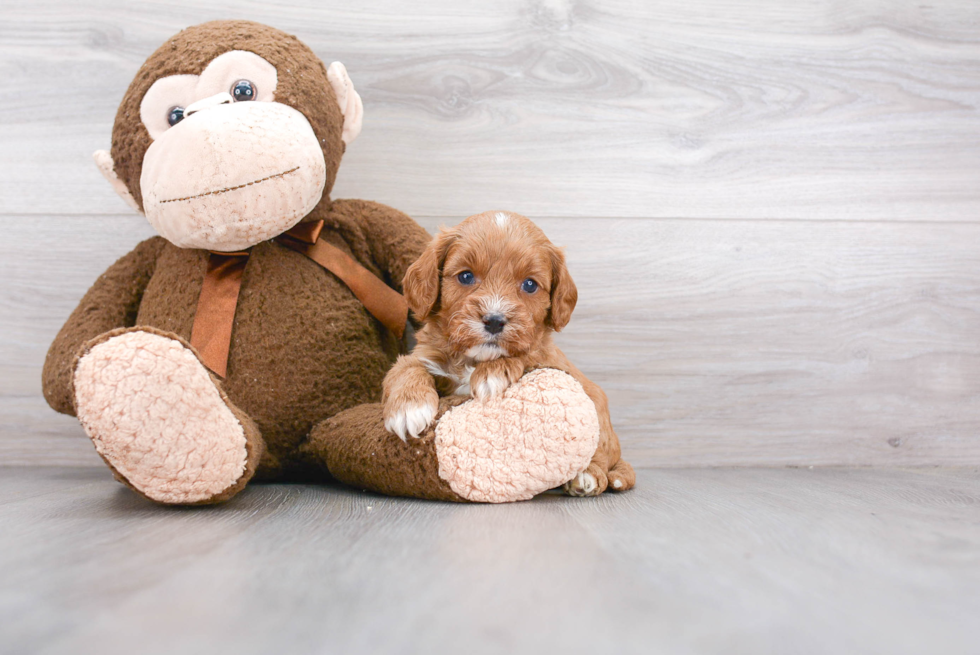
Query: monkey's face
228 167
215 160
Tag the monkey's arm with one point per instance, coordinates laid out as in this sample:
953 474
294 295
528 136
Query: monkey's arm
112 302
395 240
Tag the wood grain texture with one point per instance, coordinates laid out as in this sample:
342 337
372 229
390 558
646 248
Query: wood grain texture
692 561
709 109
718 342
791 279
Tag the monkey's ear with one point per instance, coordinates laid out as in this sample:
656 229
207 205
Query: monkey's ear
104 161
348 99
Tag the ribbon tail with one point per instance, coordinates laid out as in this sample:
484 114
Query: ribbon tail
211 333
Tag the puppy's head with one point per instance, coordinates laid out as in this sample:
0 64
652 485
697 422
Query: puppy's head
493 285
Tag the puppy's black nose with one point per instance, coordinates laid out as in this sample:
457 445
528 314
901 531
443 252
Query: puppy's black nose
494 324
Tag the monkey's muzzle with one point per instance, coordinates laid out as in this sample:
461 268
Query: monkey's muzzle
233 175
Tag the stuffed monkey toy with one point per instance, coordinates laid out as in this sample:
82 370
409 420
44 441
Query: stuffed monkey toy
250 338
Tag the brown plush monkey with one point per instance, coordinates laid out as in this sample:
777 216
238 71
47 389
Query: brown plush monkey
209 354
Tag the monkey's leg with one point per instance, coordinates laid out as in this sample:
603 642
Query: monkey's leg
160 420
536 437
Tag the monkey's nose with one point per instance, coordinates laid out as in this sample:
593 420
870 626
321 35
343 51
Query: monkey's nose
223 98
494 324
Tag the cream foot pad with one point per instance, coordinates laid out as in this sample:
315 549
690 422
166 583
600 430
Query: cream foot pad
542 432
154 414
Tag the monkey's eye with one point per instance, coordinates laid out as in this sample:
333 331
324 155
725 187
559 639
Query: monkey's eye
175 115
529 286
466 278
243 90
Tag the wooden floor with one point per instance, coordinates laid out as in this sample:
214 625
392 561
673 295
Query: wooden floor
693 561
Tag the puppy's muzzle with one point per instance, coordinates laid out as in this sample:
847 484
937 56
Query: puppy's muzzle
494 323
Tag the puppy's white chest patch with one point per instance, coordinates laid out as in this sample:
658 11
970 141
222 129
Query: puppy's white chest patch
463 381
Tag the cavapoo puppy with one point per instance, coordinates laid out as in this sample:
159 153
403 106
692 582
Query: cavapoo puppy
491 291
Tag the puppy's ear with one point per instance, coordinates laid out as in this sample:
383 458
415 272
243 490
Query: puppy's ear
564 293
421 283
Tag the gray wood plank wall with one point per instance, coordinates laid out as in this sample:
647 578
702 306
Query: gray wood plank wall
771 209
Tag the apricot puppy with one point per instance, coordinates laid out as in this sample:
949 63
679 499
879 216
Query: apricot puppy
491 292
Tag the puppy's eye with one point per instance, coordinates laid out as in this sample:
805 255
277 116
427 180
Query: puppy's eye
175 115
529 286
466 278
243 90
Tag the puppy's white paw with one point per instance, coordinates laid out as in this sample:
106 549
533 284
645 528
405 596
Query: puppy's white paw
583 484
410 419
492 386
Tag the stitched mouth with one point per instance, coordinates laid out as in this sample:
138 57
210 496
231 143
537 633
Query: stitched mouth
233 188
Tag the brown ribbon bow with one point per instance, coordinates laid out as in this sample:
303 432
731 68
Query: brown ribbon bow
211 333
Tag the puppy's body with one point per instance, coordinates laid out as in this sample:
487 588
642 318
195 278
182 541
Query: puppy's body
491 292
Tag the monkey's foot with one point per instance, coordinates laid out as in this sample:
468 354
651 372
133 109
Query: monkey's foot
541 433
159 420
535 437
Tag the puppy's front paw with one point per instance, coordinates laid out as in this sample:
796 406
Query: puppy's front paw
491 379
590 482
409 418
489 386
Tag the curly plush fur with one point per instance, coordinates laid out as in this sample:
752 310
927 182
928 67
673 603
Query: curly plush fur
303 347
